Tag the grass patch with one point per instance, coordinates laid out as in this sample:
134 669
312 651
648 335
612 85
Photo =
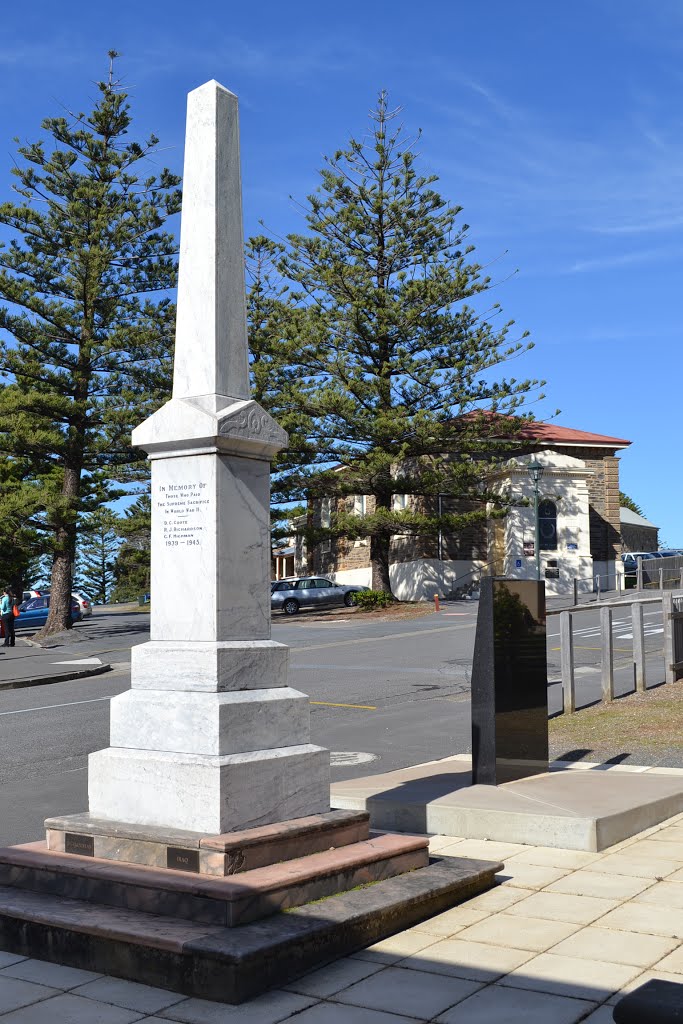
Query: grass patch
650 724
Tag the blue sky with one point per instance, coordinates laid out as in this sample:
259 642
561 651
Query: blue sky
558 128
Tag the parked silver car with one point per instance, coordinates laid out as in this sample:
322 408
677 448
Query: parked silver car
310 592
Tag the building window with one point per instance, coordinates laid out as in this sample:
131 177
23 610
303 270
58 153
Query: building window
360 509
400 502
326 522
547 525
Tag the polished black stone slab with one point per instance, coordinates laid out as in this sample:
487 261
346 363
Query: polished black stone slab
509 682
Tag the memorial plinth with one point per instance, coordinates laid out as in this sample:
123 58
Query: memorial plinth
209 813
210 738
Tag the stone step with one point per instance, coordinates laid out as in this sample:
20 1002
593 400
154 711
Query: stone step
226 854
223 964
221 901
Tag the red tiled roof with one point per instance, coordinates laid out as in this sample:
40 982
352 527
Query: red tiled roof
550 433
556 434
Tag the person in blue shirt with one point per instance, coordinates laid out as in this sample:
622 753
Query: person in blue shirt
7 613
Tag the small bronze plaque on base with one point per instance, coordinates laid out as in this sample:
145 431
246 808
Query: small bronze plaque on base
84 845
182 860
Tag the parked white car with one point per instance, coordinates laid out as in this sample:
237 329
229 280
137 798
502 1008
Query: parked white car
84 603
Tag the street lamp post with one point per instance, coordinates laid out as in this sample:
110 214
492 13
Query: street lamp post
536 472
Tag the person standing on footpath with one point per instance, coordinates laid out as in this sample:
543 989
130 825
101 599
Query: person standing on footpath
7 613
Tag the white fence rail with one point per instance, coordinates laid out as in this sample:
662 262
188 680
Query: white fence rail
672 619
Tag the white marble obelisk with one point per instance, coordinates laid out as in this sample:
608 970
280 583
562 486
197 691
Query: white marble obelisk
210 737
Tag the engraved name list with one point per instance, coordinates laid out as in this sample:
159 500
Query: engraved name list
181 510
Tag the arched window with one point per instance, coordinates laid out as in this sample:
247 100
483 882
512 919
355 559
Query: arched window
547 525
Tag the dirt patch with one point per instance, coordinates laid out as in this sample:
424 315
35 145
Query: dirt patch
643 728
399 610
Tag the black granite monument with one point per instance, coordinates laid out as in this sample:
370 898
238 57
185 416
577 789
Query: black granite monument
509 682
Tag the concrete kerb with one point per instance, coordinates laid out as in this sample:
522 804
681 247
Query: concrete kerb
57 677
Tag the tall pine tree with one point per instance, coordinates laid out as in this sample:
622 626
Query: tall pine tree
396 351
87 325
132 571
98 545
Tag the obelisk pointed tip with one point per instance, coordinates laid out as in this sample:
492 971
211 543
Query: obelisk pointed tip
213 86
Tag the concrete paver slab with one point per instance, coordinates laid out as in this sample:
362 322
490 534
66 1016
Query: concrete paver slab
532 933
452 921
396 947
558 906
129 994
7 959
644 917
529 876
634 948
593 883
15 993
476 961
497 899
673 963
572 976
266 1009
653 973
53 975
553 857
663 894
603 1015
67 1008
410 992
661 849
338 1013
639 867
496 1003
334 978
483 849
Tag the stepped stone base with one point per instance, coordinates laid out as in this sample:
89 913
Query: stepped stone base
228 902
192 955
220 855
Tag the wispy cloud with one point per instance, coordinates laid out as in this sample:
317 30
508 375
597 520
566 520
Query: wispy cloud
618 260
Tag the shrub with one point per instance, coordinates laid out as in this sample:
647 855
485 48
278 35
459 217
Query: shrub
369 600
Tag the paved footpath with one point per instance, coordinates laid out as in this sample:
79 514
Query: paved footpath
561 938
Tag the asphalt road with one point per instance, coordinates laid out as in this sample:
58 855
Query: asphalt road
384 694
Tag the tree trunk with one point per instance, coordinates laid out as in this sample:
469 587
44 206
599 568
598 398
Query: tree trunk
59 617
379 562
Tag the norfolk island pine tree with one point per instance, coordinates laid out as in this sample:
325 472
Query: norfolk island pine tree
392 353
87 328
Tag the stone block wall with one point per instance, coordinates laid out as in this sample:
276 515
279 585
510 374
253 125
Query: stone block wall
603 497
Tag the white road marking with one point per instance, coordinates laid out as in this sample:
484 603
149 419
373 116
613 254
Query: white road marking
79 661
50 707
344 758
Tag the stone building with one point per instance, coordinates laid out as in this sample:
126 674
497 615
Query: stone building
579 517
637 532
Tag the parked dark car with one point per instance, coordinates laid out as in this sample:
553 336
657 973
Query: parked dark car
310 592
35 612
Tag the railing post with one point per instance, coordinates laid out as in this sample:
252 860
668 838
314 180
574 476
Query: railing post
638 630
619 581
639 574
607 653
597 587
575 586
661 579
567 662
668 623
681 581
